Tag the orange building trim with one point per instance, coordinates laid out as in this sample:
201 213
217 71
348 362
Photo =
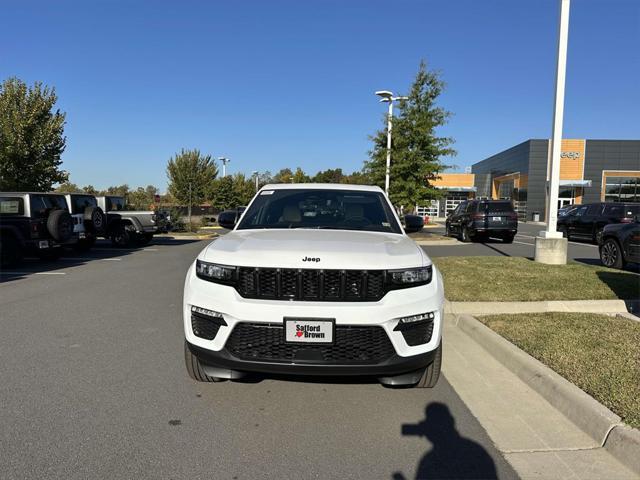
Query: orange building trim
452 180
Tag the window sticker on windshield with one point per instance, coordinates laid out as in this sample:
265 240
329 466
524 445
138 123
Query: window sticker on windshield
386 224
9 206
267 192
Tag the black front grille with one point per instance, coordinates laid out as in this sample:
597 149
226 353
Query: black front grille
416 333
352 345
204 326
302 284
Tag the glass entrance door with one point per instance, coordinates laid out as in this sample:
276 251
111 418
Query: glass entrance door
563 202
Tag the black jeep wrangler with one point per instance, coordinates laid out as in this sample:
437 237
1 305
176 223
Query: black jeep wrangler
33 224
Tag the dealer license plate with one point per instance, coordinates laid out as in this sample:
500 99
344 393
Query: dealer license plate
496 219
308 330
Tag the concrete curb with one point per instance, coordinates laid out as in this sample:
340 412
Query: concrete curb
189 237
438 242
624 443
577 306
597 421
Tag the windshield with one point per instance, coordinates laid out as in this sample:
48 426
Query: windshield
327 209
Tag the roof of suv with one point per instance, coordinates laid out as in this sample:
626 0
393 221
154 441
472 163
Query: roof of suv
31 193
323 186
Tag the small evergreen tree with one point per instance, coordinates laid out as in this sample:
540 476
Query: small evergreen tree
416 150
191 176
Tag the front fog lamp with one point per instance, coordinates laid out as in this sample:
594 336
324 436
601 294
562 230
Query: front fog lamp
411 276
429 316
215 272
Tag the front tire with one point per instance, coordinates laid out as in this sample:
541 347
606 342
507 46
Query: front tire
432 371
611 254
123 236
195 369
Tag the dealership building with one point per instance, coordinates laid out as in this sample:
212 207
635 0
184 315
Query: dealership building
590 171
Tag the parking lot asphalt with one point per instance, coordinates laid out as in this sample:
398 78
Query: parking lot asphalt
522 246
94 386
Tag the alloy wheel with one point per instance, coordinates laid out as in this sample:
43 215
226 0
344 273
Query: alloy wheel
609 253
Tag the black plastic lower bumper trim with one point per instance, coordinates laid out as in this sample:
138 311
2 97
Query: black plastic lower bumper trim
392 366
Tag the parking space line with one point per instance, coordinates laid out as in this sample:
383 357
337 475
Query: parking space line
32 273
584 244
89 259
100 249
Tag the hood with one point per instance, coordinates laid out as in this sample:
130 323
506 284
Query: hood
330 249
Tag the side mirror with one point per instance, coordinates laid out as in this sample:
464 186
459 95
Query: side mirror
413 223
227 220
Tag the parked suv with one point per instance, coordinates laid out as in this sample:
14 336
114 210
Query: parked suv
128 227
33 224
89 220
587 221
481 219
315 279
620 243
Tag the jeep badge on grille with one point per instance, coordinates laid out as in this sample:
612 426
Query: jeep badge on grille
311 259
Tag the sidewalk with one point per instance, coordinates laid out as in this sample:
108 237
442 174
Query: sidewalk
535 438
578 306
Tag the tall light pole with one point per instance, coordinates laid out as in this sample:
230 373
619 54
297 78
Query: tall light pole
255 174
224 161
551 247
387 96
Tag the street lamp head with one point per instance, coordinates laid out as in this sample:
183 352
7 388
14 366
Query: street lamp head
385 95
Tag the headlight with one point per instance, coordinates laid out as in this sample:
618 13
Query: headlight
411 276
214 272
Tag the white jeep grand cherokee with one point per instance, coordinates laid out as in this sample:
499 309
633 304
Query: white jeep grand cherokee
315 280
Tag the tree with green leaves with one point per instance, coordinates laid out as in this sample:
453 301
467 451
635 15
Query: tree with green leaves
142 197
223 193
416 151
31 137
300 177
118 190
191 177
357 178
243 189
67 187
283 176
330 175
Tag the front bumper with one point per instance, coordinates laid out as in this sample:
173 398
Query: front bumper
383 313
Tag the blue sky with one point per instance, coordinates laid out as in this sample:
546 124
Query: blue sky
272 84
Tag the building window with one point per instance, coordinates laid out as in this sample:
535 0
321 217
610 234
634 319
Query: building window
505 190
622 189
